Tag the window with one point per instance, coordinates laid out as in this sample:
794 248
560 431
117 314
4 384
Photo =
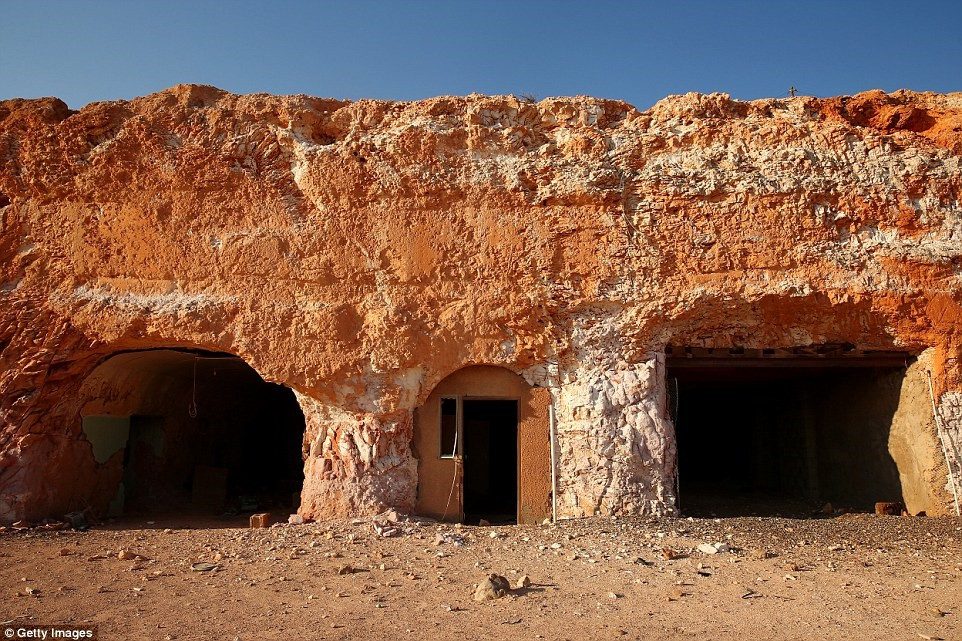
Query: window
449 427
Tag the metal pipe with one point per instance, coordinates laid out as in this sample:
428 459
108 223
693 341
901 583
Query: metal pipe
674 421
554 471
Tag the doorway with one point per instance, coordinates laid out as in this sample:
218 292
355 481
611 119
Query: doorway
175 432
482 441
784 434
490 453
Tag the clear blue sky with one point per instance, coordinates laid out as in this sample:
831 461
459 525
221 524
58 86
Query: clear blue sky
639 52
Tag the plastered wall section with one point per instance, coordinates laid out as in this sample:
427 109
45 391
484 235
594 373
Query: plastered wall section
436 475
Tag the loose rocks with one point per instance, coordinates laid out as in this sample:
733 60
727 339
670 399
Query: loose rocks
494 587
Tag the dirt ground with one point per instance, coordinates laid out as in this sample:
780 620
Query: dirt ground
847 577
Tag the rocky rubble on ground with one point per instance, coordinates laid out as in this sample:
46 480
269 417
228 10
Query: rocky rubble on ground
419 570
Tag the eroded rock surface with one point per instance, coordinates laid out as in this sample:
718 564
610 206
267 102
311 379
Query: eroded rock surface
360 252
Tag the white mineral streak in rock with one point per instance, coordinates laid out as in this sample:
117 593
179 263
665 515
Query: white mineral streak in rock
616 451
950 412
356 462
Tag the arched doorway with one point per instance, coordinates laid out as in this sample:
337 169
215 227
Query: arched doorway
482 443
190 432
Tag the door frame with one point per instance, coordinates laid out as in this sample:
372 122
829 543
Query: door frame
459 455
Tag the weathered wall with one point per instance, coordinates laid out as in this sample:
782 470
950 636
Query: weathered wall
864 421
914 445
357 462
359 252
141 383
231 407
616 450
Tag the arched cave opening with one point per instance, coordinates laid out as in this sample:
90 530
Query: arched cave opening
786 432
191 433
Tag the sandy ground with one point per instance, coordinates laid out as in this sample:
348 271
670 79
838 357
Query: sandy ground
848 577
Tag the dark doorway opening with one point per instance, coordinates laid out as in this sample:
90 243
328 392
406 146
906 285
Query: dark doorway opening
490 454
766 437
177 432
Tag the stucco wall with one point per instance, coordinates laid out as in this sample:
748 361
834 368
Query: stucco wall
436 475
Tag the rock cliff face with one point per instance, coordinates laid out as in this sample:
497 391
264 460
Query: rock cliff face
361 252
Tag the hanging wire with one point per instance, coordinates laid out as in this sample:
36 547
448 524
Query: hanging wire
192 407
677 467
454 479
677 401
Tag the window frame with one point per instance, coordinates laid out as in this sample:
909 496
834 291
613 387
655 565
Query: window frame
458 415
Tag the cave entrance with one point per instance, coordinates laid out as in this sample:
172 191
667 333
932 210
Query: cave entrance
182 432
490 454
783 432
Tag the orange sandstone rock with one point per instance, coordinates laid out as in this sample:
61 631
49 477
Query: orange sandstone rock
361 252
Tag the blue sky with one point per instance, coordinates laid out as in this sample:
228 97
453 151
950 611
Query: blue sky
639 52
